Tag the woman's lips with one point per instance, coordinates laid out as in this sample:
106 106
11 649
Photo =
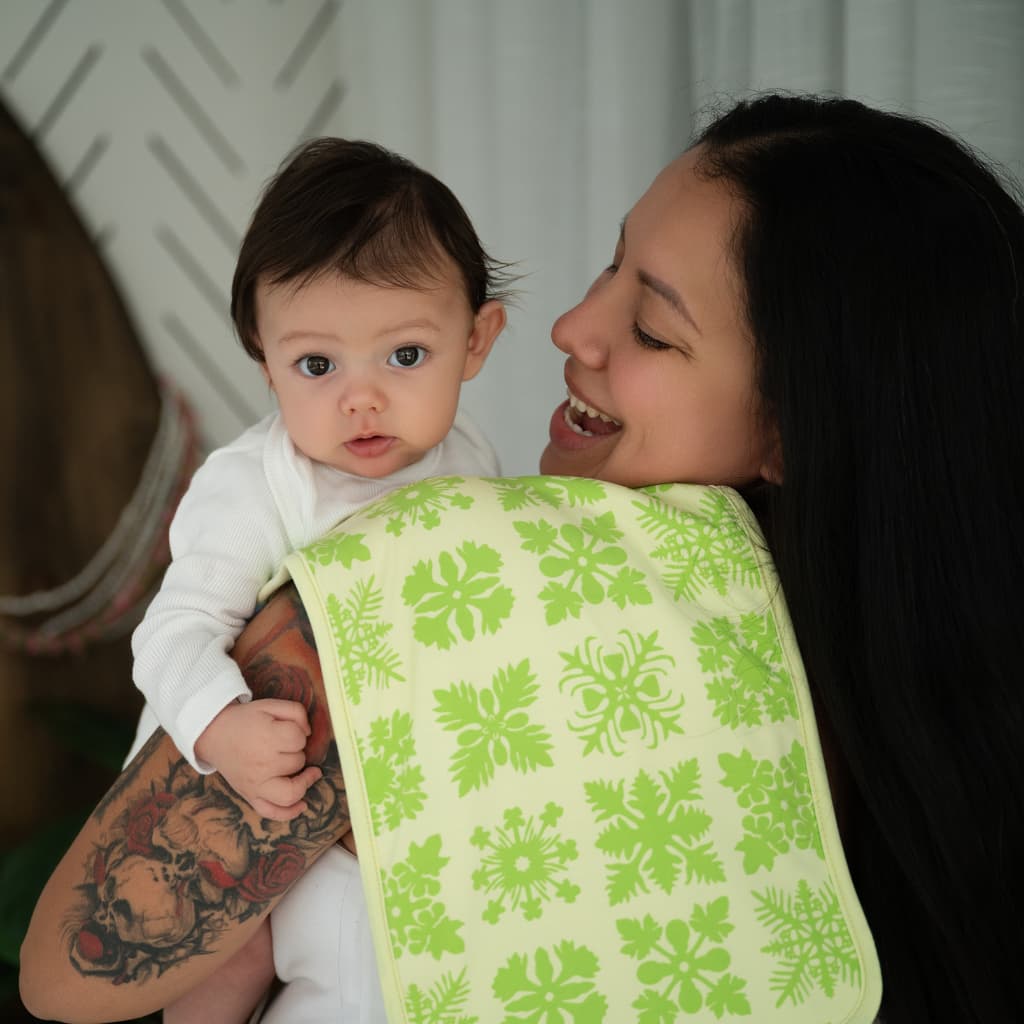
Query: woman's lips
369 447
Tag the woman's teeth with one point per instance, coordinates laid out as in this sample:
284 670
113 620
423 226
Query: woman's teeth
573 425
577 409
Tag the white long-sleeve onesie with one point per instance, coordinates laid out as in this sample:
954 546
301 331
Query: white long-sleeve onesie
250 504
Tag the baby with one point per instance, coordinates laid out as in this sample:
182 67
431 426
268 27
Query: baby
363 293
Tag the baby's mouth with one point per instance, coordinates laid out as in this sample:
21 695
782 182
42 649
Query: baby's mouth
370 446
584 419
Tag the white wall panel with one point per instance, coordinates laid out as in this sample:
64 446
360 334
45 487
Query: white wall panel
546 117
163 118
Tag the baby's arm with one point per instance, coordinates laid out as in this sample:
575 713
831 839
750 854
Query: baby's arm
226 539
259 749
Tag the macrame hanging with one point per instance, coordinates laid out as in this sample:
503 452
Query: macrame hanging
108 597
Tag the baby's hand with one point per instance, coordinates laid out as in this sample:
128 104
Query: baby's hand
259 748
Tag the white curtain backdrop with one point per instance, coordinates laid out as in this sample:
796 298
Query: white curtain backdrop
547 118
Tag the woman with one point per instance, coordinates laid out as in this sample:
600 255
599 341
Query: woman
819 304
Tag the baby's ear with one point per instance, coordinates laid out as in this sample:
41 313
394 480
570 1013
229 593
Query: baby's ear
266 374
488 323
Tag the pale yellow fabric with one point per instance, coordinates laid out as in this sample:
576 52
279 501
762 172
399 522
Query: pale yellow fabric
581 759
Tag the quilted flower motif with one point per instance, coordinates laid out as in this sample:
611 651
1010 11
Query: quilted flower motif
493 727
418 922
551 995
585 565
749 679
781 809
421 503
522 863
471 597
679 963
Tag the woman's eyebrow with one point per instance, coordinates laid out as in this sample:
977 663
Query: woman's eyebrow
669 294
660 288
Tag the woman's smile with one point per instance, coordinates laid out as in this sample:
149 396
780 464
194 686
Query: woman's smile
585 419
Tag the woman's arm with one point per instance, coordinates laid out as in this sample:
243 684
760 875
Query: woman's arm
174 871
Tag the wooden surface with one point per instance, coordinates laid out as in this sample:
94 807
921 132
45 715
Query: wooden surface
78 409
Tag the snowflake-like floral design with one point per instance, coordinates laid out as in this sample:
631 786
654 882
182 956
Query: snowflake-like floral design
811 942
365 658
524 863
701 550
657 831
420 503
443 1003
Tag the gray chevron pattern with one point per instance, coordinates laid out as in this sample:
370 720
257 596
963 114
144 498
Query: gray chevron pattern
163 119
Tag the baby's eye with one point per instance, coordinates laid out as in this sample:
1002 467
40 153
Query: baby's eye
407 355
314 366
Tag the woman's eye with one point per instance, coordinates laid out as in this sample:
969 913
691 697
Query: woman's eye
406 356
314 366
644 339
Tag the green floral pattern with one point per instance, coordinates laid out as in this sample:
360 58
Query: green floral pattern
493 728
364 656
683 965
811 942
656 833
749 682
780 802
585 565
393 778
559 988
420 504
709 549
523 864
419 923
471 597
549 491
344 548
442 1003
622 693
573 724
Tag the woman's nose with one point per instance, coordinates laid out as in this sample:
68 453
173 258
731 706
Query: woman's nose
582 332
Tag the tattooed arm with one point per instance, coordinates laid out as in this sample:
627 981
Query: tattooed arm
174 871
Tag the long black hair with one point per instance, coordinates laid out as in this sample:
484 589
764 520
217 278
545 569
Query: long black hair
883 265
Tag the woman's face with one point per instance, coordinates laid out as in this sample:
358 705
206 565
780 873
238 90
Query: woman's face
661 370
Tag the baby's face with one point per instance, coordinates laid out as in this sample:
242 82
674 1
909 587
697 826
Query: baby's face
367 376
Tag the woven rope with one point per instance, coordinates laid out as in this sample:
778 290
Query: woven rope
106 597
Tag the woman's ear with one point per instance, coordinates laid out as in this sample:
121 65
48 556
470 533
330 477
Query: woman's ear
488 323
